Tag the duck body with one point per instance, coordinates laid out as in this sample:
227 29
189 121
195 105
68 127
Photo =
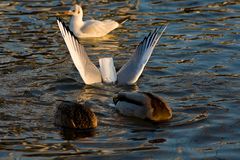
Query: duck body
131 110
89 28
74 115
143 105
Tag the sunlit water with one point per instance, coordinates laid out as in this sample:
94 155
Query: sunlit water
195 67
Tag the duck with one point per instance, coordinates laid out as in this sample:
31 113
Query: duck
143 105
89 28
75 116
128 74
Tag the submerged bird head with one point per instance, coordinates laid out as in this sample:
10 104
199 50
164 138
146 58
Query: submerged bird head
155 108
73 115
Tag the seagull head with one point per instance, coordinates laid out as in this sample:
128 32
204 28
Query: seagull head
76 10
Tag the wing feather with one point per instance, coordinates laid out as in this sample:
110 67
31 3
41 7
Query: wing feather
88 71
95 28
131 71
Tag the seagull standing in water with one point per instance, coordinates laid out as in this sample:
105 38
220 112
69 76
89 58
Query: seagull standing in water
127 75
89 28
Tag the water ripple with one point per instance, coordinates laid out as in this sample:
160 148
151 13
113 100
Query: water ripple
195 68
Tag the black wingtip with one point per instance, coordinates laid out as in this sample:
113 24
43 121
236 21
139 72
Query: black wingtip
58 18
151 36
67 28
156 30
63 23
61 20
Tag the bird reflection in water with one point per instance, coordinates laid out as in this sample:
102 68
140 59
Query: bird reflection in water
88 92
73 134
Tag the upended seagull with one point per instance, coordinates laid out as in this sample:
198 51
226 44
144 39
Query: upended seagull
127 75
89 28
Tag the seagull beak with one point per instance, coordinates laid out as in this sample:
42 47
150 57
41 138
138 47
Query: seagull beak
68 13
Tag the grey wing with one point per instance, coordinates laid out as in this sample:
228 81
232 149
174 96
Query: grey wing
88 71
131 71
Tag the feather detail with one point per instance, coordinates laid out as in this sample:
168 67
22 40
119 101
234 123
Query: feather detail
88 71
132 70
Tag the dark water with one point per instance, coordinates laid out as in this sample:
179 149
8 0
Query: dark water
195 68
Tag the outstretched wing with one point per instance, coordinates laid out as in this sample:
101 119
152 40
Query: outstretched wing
88 71
131 71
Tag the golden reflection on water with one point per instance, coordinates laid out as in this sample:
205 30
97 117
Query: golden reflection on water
195 67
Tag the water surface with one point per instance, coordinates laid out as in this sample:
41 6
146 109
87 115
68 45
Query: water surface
195 68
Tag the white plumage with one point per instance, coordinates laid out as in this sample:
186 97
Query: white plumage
127 75
89 28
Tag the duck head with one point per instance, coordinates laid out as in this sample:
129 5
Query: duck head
143 105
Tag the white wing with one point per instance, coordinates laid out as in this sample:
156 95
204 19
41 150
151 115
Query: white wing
131 71
95 28
88 71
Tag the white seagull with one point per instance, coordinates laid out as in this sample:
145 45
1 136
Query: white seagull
89 28
127 75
